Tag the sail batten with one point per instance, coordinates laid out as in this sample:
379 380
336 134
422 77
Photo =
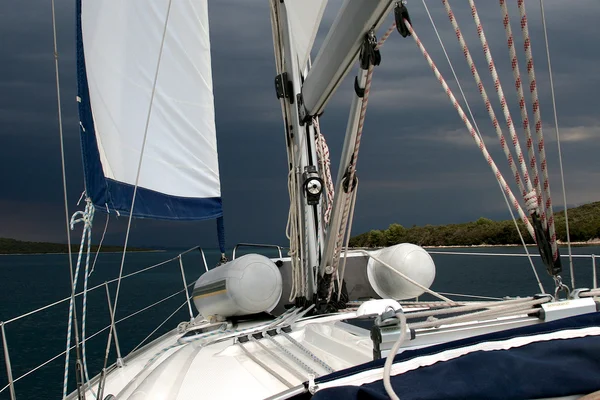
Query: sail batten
118 48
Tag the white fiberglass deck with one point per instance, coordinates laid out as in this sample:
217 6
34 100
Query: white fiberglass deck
216 365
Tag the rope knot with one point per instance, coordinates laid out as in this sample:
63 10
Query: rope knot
86 216
531 202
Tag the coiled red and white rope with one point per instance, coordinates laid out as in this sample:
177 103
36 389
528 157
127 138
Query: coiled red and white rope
325 161
523 108
538 127
472 131
524 185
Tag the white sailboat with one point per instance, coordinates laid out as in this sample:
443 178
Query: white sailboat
286 327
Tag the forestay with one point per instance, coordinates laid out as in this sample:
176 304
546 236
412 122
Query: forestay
118 52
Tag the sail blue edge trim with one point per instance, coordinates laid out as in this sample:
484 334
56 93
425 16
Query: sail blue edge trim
559 367
155 205
111 196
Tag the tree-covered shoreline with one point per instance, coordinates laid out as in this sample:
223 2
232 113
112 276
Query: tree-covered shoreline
584 225
13 246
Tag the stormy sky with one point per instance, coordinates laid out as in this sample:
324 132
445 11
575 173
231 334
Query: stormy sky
417 164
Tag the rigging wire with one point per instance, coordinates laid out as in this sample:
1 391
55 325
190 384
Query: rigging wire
471 129
72 322
365 76
560 163
481 137
368 77
340 275
139 168
137 179
99 245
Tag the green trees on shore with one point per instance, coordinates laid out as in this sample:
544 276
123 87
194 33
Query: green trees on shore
584 224
13 246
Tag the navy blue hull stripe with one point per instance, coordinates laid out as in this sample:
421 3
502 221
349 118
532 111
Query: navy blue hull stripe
547 368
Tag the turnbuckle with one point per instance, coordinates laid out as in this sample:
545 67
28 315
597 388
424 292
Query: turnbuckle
560 287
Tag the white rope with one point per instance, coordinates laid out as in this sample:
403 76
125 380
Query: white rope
464 97
296 251
86 217
470 307
473 296
292 235
405 277
387 368
560 163
591 293
476 316
86 234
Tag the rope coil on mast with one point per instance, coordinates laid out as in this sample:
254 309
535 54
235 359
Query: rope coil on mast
324 160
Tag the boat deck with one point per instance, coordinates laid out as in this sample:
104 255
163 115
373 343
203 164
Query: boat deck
246 362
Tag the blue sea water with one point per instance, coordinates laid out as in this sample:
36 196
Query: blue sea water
31 281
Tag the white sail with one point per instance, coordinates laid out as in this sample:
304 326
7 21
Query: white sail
304 18
121 43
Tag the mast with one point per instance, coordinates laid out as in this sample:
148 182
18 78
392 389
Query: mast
304 94
336 57
305 183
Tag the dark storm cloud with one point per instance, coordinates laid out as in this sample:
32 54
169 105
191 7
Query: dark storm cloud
417 164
